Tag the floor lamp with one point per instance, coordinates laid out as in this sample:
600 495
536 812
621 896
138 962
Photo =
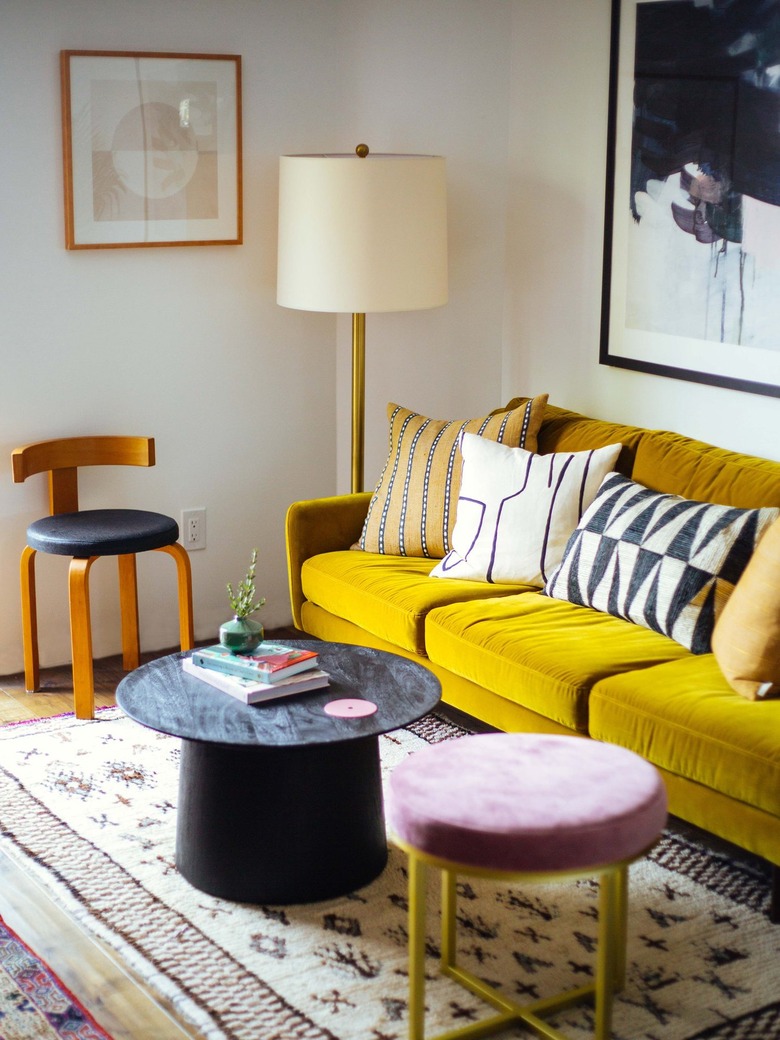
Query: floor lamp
359 233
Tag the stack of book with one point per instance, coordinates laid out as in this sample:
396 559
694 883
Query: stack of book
274 671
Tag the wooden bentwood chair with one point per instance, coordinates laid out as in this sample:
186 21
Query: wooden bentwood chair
86 535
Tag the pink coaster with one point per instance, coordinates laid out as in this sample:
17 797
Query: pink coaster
350 708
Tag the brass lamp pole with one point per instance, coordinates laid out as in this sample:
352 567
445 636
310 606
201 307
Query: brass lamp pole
358 383
358 399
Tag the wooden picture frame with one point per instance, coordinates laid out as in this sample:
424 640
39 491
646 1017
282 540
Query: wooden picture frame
691 277
151 149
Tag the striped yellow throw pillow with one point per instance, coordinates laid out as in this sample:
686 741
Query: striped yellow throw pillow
412 511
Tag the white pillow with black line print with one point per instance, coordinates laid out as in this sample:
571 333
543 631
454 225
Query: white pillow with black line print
516 510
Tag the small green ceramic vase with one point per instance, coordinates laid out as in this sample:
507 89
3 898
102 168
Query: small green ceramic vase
242 635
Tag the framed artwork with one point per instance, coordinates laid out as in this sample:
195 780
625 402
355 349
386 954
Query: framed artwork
151 149
691 283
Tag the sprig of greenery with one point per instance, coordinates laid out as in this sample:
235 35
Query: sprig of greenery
241 600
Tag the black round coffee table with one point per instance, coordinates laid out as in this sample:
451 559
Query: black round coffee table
281 802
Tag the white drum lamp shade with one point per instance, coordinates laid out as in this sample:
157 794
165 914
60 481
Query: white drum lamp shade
362 234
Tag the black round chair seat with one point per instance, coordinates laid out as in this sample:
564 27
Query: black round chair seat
102 532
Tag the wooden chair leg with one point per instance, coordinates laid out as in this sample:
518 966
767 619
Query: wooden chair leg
81 637
128 605
184 577
29 620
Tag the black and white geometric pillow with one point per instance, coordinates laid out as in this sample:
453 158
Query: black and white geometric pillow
658 560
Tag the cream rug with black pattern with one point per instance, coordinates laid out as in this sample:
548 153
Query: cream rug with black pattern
88 808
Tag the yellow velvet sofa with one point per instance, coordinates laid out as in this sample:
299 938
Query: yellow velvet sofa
522 661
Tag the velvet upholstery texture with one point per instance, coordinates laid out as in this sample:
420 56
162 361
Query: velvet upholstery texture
527 802
540 652
390 596
563 430
316 526
463 694
684 717
102 532
678 465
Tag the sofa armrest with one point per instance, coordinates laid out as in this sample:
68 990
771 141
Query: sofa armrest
317 526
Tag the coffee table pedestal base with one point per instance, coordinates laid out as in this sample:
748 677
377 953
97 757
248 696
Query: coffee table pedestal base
280 824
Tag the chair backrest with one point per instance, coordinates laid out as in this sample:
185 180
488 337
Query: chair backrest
61 459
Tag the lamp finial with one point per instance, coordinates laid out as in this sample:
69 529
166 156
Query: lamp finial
362 151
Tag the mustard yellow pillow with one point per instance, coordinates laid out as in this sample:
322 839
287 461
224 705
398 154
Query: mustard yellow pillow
412 511
746 639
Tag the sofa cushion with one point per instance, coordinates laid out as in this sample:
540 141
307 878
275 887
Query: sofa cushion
412 510
659 560
746 640
517 510
684 717
539 652
388 596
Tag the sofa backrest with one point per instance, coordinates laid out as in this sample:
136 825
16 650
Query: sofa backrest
669 462
563 430
682 466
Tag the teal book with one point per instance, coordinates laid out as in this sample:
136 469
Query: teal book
270 663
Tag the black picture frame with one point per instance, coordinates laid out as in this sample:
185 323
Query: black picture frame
694 294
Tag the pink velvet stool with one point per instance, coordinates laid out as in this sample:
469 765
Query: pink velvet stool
523 807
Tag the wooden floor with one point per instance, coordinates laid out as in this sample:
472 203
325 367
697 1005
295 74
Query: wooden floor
56 687
116 998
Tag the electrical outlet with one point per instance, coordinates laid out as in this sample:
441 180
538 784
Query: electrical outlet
193 528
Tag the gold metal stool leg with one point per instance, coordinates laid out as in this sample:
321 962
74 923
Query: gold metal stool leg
621 936
417 889
610 962
508 1011
449 924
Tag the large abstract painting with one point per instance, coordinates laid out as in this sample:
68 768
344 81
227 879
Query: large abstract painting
152 148
692 244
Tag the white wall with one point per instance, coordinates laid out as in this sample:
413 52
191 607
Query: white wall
433 77
188 344
250 402
557 148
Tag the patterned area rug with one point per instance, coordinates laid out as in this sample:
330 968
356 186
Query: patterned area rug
89 809
34 1004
